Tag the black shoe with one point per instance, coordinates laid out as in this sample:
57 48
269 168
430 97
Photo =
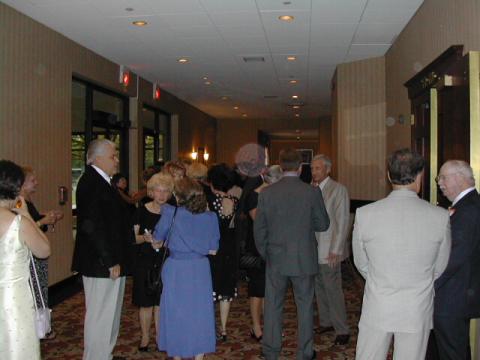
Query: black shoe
341 339
314 356
323 329
222 337
253 336
143 348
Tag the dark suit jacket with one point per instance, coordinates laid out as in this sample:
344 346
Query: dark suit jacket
457 290
289 213
104 230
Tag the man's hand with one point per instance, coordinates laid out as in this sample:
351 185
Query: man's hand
333 260
114 272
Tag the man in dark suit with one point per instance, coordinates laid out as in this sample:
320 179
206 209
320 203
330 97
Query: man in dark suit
104 236
457 291
289 213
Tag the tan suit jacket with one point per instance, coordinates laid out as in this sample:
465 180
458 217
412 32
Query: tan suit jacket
337 203
401 244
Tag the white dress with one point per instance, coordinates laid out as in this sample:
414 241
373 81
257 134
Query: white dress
18 340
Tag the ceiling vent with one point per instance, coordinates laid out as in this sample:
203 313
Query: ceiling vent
252 59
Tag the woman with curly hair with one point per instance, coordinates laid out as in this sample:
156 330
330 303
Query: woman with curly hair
187 319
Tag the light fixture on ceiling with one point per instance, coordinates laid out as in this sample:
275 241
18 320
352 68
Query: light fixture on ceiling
286 18
235 108
224 98
298 137
293 81
140 23
244 115
297 115
296 106
205 78
208 83
291 58
182 60
294 96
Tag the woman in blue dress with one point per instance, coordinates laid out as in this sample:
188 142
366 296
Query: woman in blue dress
187 319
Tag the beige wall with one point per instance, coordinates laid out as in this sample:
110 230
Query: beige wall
359 125
437 25
36 68
232 134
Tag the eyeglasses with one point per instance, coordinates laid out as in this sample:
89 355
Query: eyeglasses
443 177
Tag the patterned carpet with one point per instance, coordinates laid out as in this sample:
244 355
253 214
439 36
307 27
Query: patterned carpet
68 323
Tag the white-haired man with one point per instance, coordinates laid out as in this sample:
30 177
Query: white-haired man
104 236
331 252
457 291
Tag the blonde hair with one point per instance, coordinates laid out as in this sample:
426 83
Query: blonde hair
160 179
197 171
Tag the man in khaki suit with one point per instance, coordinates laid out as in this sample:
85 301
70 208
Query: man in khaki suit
401 244
331 252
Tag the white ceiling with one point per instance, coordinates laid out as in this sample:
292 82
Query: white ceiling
216 34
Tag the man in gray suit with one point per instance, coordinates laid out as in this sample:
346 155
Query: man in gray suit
401 244
331 252
289 213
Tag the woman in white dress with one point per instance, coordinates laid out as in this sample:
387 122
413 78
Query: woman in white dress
18 237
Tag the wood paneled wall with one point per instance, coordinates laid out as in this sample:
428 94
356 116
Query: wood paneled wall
232 134
359 128
437 25
36 68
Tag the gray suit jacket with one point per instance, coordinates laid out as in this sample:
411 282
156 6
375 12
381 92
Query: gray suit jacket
289 213
337 203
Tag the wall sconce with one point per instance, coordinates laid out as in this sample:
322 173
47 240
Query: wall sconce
194 155
206 156
124 76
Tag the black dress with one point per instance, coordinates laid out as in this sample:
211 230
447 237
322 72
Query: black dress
41 265
144 259
256 277
224 265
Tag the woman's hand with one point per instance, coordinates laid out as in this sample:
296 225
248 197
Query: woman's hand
147 237
157 244
212 252
50 218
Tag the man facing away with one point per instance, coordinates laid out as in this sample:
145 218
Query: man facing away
331 252
401 244
457 291
103 238
289 213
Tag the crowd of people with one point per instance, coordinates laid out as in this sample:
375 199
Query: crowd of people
205 227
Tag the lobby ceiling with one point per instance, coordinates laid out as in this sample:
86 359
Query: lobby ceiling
237 50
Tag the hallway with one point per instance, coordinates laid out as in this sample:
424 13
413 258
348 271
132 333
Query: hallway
68 323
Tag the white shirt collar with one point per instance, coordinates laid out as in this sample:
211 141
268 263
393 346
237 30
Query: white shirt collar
290 174
462 194
323 183
102 173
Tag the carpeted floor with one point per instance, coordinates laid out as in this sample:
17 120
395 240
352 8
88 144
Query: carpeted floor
68 323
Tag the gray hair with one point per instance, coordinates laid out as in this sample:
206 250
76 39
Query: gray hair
273 174
463 168
97 148
326 160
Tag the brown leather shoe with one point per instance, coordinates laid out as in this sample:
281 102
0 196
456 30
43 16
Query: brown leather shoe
323 329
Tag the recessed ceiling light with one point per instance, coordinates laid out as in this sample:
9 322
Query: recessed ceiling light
298 137
293 81
235 108
294 96
291 58
297 115
183 60
205 78
244 115
224 97
296 107
287 18
139 23
208 83
297 131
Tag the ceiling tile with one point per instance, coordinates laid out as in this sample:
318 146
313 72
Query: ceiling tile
360 52
338 34
172 7
338 11
327 55
243 20
278 5
221 6
376 33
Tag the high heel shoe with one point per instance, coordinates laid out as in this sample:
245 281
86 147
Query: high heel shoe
253 336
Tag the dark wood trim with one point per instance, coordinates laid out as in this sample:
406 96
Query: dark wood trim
64 289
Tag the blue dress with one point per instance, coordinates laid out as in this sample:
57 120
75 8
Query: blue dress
187 318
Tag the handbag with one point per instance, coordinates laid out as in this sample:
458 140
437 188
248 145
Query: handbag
153 281
42 314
